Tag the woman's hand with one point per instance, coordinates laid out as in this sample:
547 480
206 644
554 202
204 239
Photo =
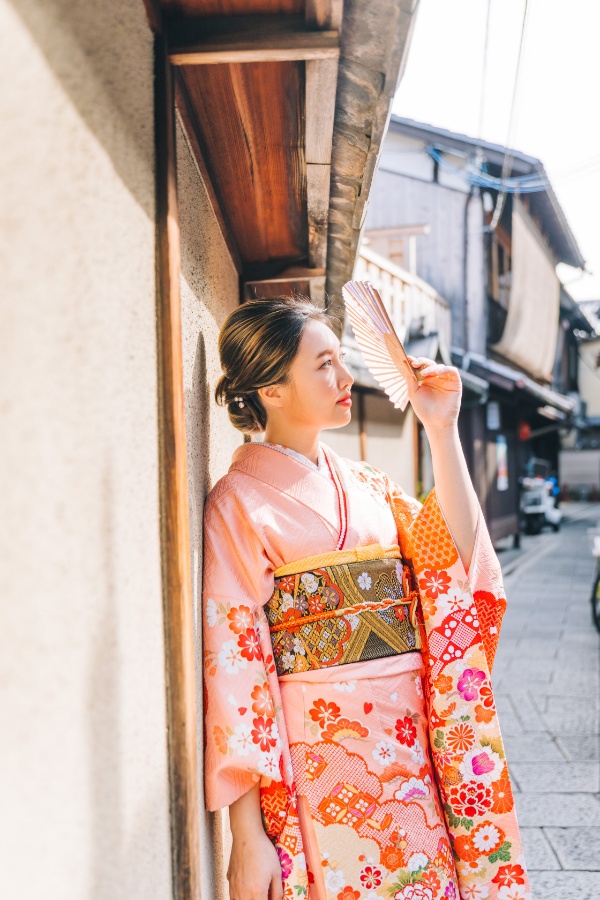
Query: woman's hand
436 397
254 871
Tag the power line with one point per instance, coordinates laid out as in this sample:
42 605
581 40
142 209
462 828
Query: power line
501 198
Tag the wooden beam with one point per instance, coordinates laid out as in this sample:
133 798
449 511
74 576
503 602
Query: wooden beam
256 44
176 568
325 13
321 84
317 203
191 127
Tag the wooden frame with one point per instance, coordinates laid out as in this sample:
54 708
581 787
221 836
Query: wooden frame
176 565
247 41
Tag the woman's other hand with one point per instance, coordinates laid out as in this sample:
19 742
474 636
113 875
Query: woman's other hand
254 871
436 398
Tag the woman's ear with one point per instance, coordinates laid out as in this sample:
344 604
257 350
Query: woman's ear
271 396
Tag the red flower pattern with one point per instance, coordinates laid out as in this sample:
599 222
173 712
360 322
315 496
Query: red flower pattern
262 733
263 702
434 583
323 713
240 619
507 875
249 645
406 731
471 799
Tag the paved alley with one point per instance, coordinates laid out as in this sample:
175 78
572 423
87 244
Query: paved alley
546 680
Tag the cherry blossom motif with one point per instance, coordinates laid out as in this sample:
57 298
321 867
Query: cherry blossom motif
241 740
481 765
487 838
230 658
287 584
434 583
430 879
364 581
406 731
371 877
483 715
507 875
240 619
268 764
211 612
417 891
309 583
250 645
450 892
455 600
323 713
470 799
460 738
285 861
474 891
264 733
469 683
263 702
384 753
514 892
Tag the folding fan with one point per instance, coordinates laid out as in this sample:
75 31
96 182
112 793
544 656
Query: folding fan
379 343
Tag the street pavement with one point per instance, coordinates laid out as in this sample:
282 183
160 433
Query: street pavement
546 681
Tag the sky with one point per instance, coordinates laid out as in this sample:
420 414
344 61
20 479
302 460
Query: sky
557 109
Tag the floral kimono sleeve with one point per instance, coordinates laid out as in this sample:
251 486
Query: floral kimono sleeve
243 742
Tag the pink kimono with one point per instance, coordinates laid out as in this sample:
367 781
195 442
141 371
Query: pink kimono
380 779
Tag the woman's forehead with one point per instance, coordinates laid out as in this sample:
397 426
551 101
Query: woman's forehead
317 337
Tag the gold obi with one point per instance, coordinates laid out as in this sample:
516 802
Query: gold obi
342 607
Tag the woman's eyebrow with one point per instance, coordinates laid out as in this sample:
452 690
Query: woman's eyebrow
325 353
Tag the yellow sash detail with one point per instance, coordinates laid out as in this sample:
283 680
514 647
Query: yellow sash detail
339 557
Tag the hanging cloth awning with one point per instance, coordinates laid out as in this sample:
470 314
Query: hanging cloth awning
531 331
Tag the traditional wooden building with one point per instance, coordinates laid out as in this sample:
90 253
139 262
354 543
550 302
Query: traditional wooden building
434 200
161 161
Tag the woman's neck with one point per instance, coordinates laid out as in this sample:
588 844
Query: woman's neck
302 442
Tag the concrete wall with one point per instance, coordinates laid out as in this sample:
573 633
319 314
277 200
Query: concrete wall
83 751
209 292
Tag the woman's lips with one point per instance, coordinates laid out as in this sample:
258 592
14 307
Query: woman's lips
345 401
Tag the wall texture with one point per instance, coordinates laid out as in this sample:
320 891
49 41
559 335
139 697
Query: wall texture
209 292
83 758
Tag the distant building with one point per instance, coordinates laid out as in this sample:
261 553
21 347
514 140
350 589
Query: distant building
430 209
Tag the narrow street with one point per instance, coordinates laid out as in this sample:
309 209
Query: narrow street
546 679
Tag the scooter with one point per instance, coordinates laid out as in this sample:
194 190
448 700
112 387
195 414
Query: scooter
538 505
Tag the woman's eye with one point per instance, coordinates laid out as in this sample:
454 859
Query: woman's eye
326 363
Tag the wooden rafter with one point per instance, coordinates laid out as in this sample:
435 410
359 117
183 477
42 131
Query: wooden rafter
240 39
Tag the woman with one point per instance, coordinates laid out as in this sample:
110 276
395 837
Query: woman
353 737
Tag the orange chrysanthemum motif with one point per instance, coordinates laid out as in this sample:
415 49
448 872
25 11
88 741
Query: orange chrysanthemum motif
460 738
502 795
433 547
483 715
323 713
240 619
464 848
263 702
487 838
220 739
344 728
443 684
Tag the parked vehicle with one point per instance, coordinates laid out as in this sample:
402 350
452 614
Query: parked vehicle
538 505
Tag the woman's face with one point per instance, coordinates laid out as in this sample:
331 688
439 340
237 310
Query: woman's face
317 394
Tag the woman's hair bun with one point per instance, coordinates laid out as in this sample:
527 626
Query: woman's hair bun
257 345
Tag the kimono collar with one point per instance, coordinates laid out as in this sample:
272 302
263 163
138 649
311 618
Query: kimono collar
291 477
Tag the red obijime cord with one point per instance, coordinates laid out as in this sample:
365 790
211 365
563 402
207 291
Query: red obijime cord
342 502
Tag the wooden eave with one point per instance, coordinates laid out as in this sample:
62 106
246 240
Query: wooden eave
284 104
